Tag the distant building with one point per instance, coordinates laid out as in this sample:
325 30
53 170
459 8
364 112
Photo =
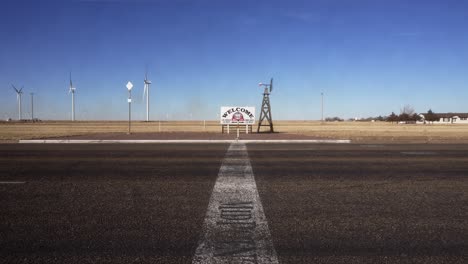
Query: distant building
447 118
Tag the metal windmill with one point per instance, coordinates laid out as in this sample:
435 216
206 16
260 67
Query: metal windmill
72 91
265 111
19 92
146 92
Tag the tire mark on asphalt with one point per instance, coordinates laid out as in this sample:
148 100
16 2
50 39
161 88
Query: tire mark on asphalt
235 228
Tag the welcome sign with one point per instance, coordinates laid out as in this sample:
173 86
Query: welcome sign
237 115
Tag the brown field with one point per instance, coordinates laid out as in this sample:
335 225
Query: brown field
369 132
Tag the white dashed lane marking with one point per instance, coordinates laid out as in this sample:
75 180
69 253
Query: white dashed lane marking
235 228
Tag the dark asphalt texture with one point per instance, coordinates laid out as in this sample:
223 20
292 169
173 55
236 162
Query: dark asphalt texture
138 203
365 203
105 203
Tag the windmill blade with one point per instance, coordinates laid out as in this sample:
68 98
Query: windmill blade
16 90
271 85
71 83
21 90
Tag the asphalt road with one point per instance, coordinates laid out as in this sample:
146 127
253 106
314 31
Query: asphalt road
365 203
127 203
104 203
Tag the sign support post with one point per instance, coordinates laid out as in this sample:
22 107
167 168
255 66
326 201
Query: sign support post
129 87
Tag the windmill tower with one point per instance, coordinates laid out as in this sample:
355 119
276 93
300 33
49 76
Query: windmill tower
146 92
265 111
72 91
18 97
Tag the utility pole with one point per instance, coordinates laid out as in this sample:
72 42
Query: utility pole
322 106
32 107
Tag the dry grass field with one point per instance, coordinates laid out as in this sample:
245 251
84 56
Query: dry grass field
378 132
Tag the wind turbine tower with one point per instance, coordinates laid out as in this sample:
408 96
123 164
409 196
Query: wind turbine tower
146 92
72 91
18 97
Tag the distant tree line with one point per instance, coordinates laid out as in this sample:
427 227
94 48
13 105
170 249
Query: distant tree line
431 116
404 117
407 115
333 119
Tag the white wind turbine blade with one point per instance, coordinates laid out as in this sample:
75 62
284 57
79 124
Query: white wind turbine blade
145 91
146 73
71 88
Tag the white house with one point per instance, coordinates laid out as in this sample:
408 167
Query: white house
448 118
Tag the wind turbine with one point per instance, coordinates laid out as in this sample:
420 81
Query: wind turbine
18 97
146 92
72 91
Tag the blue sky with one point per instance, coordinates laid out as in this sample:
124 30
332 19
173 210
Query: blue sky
369 57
